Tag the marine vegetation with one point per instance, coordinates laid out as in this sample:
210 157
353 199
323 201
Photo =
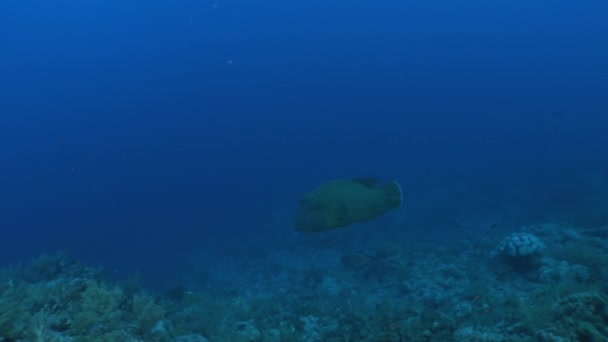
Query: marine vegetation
311 295
57 299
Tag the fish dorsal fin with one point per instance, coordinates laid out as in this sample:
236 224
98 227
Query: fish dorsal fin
369 182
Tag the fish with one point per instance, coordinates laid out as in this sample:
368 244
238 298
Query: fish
342 202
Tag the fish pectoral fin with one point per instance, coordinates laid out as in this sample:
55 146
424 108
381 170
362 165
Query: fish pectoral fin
369 182
340 216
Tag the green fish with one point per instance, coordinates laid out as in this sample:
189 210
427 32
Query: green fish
341 202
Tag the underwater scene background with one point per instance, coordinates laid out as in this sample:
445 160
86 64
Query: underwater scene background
153 156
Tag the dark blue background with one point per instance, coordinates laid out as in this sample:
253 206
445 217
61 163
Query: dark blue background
139 134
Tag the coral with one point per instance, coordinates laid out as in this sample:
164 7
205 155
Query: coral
379 265
583 316
312 329
13 318
41 330
522 251
99 312
246 331
306 294
471 334
191 338
149 315
553 271
70 303
520 245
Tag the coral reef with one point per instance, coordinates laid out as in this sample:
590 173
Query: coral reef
56 299
466 291
520 250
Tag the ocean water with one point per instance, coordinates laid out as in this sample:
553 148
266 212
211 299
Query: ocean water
153 136
133 130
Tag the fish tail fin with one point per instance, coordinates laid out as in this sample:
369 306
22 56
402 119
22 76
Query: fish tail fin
393 195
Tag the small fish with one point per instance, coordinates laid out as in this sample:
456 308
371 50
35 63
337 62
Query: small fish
339 203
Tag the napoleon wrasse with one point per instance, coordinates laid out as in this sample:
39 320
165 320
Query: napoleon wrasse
341 202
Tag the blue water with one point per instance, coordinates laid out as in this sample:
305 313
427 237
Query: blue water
139 135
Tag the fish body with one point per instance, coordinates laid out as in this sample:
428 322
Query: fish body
339 203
